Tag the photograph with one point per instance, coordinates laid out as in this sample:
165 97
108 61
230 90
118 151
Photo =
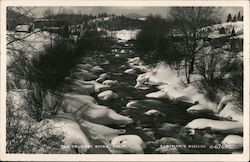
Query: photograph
162 79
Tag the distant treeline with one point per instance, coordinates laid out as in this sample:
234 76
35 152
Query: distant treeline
239 17
113 22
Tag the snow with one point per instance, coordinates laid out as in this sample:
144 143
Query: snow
213 31
154 112
233 112
103 77
84 66
233 142
106 95
131 104
98 131
77 87
199 109
98 87
136 63
31 42
216 125
228 108
84 75
70 129
128 144
22 28
130 71
110 82
173 86
97 69
124 35
84 108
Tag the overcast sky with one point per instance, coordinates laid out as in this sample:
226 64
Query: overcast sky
144 11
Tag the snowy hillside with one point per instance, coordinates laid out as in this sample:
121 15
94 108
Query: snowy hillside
214 30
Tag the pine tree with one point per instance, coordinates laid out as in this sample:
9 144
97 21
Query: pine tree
233 32
239 17
229 18
234 19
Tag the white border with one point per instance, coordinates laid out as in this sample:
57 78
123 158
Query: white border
105 157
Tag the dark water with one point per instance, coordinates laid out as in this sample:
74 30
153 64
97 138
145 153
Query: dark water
149 127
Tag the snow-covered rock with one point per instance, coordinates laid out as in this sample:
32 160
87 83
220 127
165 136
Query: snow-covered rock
147 103
103 77
110 82
101 132
84 75
130 71
131 105
88 60
136 63
77 87
97 69
154 112
70 129
84 108
199 109
158 94
232 111
216 125
227 108
233 142
84 66
98 87
224 100
105 95
128 144
169 127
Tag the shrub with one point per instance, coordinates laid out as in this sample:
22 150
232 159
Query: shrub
23 135
41 103
50 67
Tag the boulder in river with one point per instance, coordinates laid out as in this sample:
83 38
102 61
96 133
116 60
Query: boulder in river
233 142
110 82
232 111
147 103
105 95
97 70
158 94
130 71
76 87
154 112
84 75
101 132
216 125
87 109
103 77
84 67
128 144
169 127
98 87
70 130
199 109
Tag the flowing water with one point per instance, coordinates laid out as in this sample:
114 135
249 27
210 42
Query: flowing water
150 128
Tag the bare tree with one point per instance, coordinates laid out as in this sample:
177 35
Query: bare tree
188 20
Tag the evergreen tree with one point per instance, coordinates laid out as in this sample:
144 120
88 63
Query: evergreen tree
229 18
242 18
234 19
233 32
239 17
